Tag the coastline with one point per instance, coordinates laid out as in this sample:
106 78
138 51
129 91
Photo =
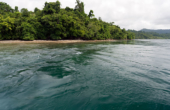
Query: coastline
53 41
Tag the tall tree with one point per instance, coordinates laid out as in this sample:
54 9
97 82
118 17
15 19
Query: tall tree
25 12
57 6
5 8
36 9
52 7
79 6
16 9
91 14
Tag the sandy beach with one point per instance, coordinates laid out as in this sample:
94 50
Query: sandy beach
52 41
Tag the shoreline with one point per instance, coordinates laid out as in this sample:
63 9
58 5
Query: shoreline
54 41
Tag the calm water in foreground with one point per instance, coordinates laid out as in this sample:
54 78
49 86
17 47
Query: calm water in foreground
133 75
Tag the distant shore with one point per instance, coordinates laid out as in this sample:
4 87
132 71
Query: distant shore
53 41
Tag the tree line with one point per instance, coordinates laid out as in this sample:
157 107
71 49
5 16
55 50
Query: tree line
55 23
150 35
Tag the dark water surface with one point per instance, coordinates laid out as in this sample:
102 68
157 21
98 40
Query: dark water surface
128 75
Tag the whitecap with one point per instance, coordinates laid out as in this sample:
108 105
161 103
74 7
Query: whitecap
78 53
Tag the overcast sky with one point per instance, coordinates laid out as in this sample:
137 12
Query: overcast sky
128 14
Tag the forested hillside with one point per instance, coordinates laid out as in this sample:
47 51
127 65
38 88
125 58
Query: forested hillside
160 31
54 23
150 35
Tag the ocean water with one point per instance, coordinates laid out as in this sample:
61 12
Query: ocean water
124 75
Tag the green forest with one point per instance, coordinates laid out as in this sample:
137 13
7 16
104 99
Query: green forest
150 35
56 23
160 31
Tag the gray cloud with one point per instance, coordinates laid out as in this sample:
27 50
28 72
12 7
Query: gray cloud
129 14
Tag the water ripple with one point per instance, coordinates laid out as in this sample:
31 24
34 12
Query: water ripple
125 75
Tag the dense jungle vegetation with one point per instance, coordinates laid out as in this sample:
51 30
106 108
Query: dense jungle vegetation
150 35
55 23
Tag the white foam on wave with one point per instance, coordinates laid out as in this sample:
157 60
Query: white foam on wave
78 53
